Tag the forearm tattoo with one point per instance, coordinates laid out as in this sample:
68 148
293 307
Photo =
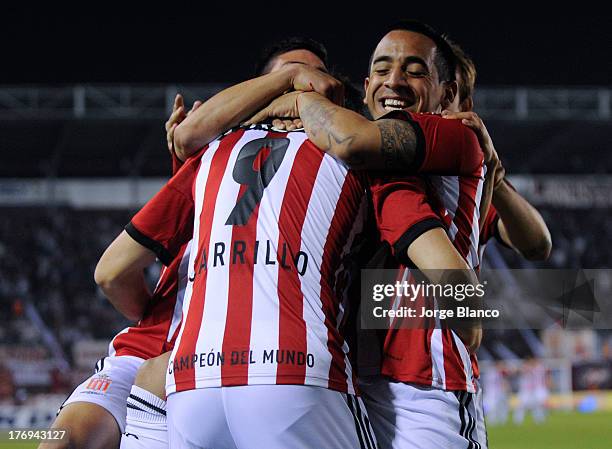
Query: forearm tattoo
398 143
318 118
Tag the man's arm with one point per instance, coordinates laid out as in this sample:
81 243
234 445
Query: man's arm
402 142
120 275
520 225
433 251
235 104
416 234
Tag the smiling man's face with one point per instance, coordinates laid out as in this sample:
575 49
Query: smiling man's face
403 75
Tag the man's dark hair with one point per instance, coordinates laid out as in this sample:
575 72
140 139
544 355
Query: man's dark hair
444 58
266 59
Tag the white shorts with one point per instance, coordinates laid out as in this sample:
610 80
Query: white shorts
109 387
481 429
409 416
146 424
268 416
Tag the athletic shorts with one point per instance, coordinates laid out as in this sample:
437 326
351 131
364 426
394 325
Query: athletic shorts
109 386
268 416
146 425
409 416
481 429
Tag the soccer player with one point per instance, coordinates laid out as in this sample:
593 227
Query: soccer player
532 391
147 424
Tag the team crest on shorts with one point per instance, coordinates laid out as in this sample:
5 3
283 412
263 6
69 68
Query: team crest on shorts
99 384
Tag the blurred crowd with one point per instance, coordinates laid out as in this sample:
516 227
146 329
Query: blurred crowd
47 258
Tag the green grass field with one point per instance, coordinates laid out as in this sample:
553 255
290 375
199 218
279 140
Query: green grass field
570 430
560 431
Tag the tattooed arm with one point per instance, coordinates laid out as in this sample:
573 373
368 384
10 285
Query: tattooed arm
385 144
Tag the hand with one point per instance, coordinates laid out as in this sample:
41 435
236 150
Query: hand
287 124
491 158
177 116
284 106
473 121
308 79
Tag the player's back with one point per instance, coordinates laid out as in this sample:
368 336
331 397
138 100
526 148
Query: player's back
275 218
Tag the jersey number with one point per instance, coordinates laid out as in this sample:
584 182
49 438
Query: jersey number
255 177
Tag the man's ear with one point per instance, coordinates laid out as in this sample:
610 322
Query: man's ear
366 83
450 90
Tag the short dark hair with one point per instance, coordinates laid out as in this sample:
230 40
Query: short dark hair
265 61
444 58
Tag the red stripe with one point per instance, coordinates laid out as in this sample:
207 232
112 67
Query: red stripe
292 328
237 334
185 377
344 216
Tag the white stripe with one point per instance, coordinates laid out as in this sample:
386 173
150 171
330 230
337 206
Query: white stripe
438 373
317 224
214 315
265 315
447 189
467 363
200 187
398 299
473 258
183 279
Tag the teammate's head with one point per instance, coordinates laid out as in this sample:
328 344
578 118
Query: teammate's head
412 68
465 74
294 49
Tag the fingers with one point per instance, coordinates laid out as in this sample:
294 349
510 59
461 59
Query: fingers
196 105
470 119
283 124
170 137
178 102
287 124
258 117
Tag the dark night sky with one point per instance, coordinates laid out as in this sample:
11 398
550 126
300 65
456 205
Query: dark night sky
119 46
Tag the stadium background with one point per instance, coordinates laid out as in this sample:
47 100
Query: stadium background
82 105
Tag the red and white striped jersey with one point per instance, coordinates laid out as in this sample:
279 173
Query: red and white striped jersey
275 220
434 356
